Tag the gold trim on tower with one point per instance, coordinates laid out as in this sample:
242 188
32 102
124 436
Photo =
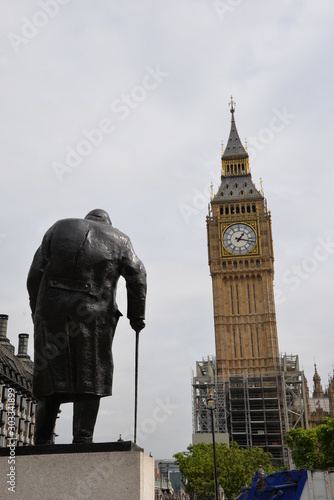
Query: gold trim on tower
242 252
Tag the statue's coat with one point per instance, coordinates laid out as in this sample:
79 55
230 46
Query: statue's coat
72 287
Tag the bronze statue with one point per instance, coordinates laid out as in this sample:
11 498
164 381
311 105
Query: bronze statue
72 288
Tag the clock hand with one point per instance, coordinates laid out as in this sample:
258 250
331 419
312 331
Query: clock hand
238 239
244 239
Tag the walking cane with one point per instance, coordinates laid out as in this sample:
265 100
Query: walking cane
136 385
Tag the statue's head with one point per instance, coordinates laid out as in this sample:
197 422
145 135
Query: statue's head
99 216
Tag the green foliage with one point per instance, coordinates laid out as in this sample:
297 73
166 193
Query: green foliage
235 467
303 447
312 448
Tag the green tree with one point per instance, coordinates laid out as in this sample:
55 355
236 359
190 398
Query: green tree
235 467
312 448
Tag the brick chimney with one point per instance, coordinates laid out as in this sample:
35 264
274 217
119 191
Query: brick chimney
23 349
3 327
23 346
4 341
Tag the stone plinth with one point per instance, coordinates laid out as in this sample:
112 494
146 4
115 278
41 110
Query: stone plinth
116 471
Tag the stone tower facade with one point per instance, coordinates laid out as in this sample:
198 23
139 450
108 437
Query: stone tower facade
241 261
259 395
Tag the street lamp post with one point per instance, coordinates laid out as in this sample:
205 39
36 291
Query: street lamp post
211 405
160 473
167 468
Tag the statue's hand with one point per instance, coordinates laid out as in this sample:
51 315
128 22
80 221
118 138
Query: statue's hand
137 324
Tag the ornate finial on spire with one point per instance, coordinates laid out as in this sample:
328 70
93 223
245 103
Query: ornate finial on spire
246 145
211 190
222 147
261 185
232 105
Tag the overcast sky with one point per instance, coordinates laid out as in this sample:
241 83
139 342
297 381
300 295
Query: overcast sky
123 106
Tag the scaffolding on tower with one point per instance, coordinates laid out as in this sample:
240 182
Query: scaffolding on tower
254 409
205 380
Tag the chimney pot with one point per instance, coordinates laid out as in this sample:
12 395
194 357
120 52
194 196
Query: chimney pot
3 326
23 345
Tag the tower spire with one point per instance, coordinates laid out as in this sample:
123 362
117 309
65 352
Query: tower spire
234 150
317 387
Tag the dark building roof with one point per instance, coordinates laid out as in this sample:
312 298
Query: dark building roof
13 370
239 187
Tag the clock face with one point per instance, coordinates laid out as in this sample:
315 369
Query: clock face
239 239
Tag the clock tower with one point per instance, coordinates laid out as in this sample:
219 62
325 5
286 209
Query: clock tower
258 394
241 261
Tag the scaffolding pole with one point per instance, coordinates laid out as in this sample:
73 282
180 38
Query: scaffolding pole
205 380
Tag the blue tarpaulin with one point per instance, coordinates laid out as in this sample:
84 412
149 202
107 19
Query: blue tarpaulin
285 485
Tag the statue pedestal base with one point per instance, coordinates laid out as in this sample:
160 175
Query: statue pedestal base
119 471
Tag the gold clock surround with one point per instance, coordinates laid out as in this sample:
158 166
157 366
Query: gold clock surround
225 224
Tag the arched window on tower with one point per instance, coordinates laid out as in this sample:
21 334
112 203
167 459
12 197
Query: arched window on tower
228 169
248 209
226 210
